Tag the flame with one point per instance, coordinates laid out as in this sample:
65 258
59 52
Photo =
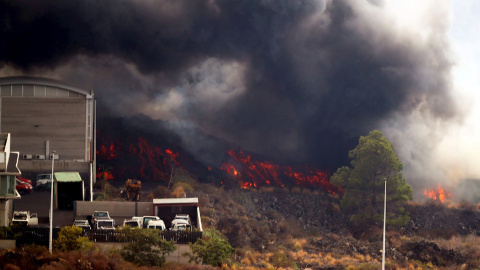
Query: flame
437 194
139 159
251 173
109 152
104 175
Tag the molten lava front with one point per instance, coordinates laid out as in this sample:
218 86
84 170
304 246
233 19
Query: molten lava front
138 159
135 157
252 173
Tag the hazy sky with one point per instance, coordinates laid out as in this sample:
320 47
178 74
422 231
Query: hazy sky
454 155
291 81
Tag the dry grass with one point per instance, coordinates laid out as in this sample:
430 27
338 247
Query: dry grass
467 245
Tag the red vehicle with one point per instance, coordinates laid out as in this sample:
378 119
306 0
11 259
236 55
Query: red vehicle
23 187
25 180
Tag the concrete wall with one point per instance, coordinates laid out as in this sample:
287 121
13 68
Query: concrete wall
45 166
7 244
5 212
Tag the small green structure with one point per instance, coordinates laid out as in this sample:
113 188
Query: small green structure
68 187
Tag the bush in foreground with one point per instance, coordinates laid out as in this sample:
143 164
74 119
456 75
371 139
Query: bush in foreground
144 247
213 249
70 238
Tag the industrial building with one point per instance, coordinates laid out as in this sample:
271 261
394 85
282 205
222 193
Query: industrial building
44 115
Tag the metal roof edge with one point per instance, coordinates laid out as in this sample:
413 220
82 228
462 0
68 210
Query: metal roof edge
176 201
43 81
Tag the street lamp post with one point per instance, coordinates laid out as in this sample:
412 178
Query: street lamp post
384 225
51 206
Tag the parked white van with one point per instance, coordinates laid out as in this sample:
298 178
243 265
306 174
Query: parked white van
134 223
156 224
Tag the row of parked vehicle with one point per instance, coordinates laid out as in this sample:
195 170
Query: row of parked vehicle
24 186
101 220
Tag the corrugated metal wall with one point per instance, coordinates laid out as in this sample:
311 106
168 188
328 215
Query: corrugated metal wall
33 121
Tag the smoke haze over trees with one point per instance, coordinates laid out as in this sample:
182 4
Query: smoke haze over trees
294 81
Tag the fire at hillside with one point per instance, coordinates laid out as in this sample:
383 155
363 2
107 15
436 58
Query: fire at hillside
252 173
436 194
137 158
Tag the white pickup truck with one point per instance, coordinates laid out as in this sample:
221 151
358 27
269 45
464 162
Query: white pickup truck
105 224
102 221
24 218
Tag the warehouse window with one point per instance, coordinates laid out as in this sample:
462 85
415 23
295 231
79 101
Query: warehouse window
73 94
28 90
17 90
62 93
51 91
6 91
39 90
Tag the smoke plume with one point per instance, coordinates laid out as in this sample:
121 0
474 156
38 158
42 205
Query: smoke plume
293 81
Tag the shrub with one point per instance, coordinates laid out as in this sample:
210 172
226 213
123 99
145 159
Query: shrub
186 186
144 247
6 233
70 238
280 259
213 249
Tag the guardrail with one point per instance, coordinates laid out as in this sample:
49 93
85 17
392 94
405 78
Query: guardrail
40 236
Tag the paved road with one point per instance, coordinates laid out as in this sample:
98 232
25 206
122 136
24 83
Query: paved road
39 202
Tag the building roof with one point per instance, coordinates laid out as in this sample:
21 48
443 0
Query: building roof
67 177
43 81
176 201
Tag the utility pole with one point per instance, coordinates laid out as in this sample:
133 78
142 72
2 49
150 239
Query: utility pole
384 225
51 207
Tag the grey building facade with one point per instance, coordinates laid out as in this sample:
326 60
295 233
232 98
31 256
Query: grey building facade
45 115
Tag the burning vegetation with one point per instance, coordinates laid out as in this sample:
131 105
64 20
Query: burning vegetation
138 158
437 194
252 173
143 160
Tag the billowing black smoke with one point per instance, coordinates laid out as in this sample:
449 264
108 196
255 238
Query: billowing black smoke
296 81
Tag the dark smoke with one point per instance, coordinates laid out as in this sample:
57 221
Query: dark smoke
310 76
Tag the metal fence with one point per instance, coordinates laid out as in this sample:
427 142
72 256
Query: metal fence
40 236
180 237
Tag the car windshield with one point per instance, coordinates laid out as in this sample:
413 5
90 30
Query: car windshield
20 216
132 223
100 214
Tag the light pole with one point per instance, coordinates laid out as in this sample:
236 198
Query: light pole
384 224
51 207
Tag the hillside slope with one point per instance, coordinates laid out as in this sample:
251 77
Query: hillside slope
310 230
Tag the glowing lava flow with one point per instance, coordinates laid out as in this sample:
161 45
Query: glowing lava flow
139 159
251 173
437 194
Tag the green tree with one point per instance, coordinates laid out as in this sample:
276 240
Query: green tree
213 249
144 246
372 162
70 238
